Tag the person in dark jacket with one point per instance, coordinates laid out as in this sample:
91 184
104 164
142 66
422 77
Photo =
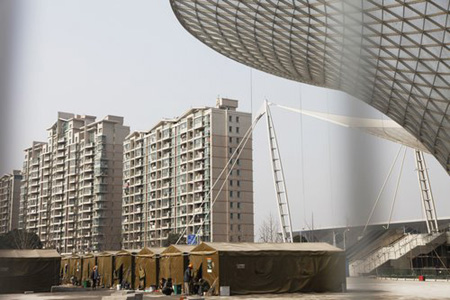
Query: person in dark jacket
187 279
94 277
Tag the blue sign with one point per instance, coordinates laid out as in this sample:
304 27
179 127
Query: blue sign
192 239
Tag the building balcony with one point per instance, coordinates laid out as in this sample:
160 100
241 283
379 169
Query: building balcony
59 222
198 210
199 188
86 226
198 199
86 218
85 210
88 177
88 161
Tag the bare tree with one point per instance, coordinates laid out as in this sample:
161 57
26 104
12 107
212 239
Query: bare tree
20 239
269 231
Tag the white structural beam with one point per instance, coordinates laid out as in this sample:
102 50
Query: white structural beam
278 180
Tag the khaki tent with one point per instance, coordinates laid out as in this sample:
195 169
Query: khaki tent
173 261
105 263
75 268
251 268
28 270
64 270
123 267
146 268
88 265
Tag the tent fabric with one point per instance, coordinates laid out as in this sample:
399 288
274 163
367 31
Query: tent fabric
177 250
88 265
173 261
31 270
105 263
12 253
200 268
75 267
64 270
123 267
270 268
146 268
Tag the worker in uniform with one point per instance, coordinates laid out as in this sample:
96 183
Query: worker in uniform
187 279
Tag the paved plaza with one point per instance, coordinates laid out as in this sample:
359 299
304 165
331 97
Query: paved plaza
358 288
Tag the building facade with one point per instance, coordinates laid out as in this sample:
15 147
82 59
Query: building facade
71 188
173 174
9 201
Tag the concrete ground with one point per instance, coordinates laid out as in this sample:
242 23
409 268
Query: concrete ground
358 288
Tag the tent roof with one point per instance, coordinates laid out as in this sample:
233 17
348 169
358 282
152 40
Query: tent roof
124 252
29 253
146 251
132 251
87 255
294 247
177 249
157 250
106 253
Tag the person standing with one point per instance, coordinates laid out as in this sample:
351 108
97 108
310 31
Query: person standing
187 279
94 277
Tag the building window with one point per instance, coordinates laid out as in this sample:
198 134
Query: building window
238 183
239 194
230 139
239 227
231 227
230 118
239 238
231 150
231 196
239 205
230 129
237 119
231 216
231 182
238 172
239 216
238 162
237 129
231 204
237 140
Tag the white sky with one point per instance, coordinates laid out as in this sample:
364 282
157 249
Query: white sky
133 58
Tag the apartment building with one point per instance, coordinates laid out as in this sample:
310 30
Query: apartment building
72 184
171 178
9 201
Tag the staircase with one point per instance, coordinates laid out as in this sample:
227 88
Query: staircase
411 245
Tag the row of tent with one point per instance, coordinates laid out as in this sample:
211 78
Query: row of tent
244 268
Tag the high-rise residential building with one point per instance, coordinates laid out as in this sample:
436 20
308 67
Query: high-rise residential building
169 173
72 185
9 201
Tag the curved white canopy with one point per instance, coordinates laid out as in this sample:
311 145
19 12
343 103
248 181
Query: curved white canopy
393 55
